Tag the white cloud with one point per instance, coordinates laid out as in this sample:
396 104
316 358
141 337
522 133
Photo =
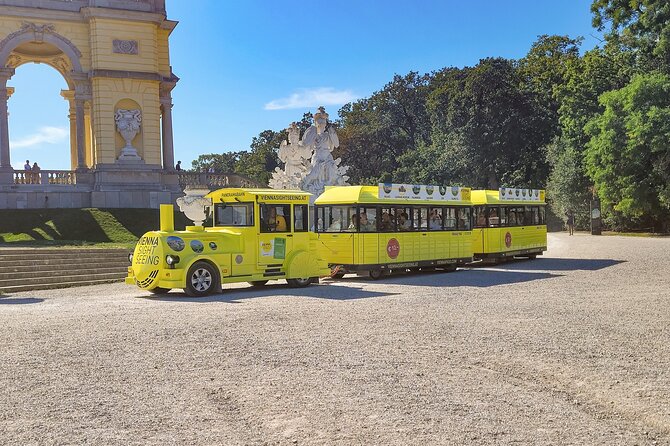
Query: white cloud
312 97
48 135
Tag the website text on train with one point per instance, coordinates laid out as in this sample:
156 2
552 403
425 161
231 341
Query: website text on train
256 235
376 229
508 223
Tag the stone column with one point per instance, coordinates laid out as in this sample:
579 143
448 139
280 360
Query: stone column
81 132
167 137
68 95
5 161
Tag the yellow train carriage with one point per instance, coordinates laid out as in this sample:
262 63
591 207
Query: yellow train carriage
257 235
375 229
508 223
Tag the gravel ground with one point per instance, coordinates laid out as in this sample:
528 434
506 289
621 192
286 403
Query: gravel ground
573 348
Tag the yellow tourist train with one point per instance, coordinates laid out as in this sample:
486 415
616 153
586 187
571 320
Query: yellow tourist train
257 235
377 229
508 223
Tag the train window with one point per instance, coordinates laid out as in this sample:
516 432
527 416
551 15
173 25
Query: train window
543 217
493 218
435 219
275 218
386 221
464 219
403 218
450 219
503 216
421 219
301 221
238 214
528 216
368 219
536 215
336 219
480 216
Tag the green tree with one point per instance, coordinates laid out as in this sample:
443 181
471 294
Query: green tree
376 131
628 156
259 163
491 129
220 162
640 24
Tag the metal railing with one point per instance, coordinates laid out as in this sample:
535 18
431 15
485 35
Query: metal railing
45 177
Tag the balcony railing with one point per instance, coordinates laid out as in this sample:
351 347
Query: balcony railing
45 177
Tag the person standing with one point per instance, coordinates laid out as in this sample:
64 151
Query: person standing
571 223
26 166
178 166
35 170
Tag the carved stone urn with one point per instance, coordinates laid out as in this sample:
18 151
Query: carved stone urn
193 204
128 124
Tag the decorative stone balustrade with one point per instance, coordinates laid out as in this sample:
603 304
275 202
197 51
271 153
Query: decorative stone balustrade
214 180
50 177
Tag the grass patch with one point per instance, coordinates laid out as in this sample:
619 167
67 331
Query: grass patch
636 234
93 228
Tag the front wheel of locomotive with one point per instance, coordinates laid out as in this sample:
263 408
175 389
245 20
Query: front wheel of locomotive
201 280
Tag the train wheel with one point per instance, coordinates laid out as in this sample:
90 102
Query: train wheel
201 280
299 283
258 283
376 274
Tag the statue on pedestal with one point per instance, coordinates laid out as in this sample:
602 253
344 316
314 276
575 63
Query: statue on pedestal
128 125
311 174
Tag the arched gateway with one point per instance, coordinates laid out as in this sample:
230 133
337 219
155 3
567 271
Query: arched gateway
114 55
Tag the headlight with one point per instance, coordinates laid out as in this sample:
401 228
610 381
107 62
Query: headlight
171 260
130 258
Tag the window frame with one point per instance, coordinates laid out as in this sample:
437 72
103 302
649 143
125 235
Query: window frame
218 206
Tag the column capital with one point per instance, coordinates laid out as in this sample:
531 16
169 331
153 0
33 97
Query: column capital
6 73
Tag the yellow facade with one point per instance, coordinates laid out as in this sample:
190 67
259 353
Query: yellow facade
111 57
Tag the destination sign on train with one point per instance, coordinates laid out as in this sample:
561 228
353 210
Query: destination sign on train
423 192
508 193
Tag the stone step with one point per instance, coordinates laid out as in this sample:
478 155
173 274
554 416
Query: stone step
4 275
61 261
4 257
60 278
31 251
51 286
57 267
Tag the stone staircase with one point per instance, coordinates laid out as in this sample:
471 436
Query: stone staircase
47 268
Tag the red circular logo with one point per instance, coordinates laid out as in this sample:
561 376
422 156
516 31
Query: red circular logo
393 248
508 239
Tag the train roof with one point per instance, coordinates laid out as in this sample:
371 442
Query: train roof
493 196
264 195
370 195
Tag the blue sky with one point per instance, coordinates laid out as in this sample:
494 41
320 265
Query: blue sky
246 66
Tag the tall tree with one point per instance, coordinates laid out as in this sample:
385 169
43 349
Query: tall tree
259 163
490 127
640 24
376 131
628 156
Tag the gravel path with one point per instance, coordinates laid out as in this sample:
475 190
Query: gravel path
573 348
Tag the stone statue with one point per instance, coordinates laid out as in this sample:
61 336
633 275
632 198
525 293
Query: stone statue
128 125
309 164
323 169
293 154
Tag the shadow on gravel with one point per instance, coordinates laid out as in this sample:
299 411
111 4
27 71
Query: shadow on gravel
8 300
235 295
467 277
555 264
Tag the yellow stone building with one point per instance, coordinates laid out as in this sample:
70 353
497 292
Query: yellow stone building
114 55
